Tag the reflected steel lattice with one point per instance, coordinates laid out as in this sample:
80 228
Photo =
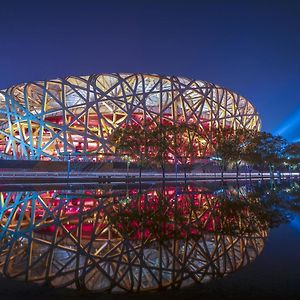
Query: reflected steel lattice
126 243
77 114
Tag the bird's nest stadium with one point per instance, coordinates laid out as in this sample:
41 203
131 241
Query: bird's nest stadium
78 114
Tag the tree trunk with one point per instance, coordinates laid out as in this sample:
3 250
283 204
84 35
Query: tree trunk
176 167
222 172
271 171
237 170
163 170
250 173
140 175
141 161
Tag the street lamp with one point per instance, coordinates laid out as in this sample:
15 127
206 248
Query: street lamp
176 166
69 164
67 155
127 159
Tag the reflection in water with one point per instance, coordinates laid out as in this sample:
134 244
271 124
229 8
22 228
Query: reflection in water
121 240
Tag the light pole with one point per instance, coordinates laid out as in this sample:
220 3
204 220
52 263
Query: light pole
127 159
69 164
176 166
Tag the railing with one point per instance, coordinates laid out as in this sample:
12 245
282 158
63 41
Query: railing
22 174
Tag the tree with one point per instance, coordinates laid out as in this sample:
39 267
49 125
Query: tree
159 143
132 141
265 149
185 143
231 146
292 155
241 146
180 142
223 146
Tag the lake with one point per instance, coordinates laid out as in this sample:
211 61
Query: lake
213 240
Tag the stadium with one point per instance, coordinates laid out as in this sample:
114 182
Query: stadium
44 120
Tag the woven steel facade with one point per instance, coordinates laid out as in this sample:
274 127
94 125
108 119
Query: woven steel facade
126 243
43 119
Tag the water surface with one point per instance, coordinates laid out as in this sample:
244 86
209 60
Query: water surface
209 239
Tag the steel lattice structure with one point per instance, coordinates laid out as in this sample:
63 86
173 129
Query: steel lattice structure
127 243
78 114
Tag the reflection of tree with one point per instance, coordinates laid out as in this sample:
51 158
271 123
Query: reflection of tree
279 199
294 196
159 217
143 241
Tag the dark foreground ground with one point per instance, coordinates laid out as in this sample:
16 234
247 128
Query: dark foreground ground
275 274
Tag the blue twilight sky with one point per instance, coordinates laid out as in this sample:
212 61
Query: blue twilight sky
251 47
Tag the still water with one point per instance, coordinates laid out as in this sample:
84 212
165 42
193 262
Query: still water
198 240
